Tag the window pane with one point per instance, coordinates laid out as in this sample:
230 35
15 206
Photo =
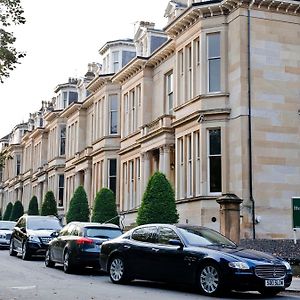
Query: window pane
112 167
114 122
215 142
112 184
73 97
214 45
215 174
166 234
214 75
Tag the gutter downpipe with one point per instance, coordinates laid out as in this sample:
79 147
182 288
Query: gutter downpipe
250 122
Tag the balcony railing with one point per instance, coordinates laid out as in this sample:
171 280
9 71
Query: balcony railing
163 122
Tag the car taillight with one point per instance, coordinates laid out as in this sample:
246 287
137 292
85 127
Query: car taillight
84 241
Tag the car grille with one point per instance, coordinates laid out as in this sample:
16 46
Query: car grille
270 271
45 240
8 236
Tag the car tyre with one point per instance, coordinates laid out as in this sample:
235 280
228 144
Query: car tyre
25 252
209 279
67 264
48 262
269 292
118 271
12 251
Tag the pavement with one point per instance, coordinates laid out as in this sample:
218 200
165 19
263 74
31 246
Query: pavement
295 286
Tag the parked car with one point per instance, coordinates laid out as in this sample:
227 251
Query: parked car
192 255
6 228
32 235
78 244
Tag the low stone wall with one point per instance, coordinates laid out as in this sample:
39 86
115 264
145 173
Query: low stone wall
283 248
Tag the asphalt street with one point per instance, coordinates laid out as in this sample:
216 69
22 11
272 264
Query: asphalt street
32 280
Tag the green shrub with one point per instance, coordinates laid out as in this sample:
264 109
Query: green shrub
49 206
79 207
7 212
105 208
158 203
17 211
33 208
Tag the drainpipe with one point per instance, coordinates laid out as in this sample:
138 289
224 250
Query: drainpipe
250 124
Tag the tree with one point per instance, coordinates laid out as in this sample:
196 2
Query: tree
7 212
49 206
11 13
158 203
33 208
17 211
79 207
105 208
4 156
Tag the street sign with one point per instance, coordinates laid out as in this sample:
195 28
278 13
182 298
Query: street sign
296 212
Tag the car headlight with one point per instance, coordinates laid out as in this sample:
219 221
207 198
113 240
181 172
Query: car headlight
287 265
239 265
33 238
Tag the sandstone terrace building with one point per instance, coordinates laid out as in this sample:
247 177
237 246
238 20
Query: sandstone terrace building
189 101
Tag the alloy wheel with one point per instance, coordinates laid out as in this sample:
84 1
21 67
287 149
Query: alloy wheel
12 252
66 263
116 270
25 252
48 262
209 280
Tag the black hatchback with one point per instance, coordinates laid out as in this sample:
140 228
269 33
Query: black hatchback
32 234
78 245
192 255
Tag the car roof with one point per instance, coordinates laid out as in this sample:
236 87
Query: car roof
95 224
40 217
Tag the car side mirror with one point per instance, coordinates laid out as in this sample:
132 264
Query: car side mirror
176 243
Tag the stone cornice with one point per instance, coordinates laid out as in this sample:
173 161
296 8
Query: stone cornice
131 69
74 107
98 82
202 10
52 115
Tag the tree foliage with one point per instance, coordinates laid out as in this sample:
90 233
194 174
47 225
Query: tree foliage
11 13
105 208
33 208
17 211
4 156
158 203
49 206
79 207
7 212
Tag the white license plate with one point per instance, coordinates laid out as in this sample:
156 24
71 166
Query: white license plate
274 282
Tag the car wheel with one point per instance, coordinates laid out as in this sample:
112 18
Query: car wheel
48 262
209 279
68 267
12 251
118 272
25 252
269 292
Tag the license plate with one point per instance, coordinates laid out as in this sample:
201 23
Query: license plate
274 282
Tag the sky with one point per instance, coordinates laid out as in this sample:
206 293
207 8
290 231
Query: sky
60 38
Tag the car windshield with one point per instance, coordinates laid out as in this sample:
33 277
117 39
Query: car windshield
43 224
102 233
198 236
7 225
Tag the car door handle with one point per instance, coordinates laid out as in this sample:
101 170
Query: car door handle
155 249
127 247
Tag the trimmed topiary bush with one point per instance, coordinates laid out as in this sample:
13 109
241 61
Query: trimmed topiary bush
49 206
79 207
7 212
158 203
33 208
105 208
17 211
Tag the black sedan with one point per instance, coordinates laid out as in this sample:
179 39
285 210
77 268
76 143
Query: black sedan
192 255
78 245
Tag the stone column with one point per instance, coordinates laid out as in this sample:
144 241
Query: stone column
161 160
146 169
230 216
167 162
87 184
77 180
40 188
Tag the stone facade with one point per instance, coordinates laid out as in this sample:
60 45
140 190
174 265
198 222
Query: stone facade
182 106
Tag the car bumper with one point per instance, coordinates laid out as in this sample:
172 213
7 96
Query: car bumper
4 242
37 248
87 258
243 281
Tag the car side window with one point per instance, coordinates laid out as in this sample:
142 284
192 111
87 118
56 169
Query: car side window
21 223
18 223
166 234
75 231
64 231
145 234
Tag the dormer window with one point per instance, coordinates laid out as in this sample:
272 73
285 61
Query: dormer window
115 56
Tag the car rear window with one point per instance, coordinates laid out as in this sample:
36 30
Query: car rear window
102 233
43 224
